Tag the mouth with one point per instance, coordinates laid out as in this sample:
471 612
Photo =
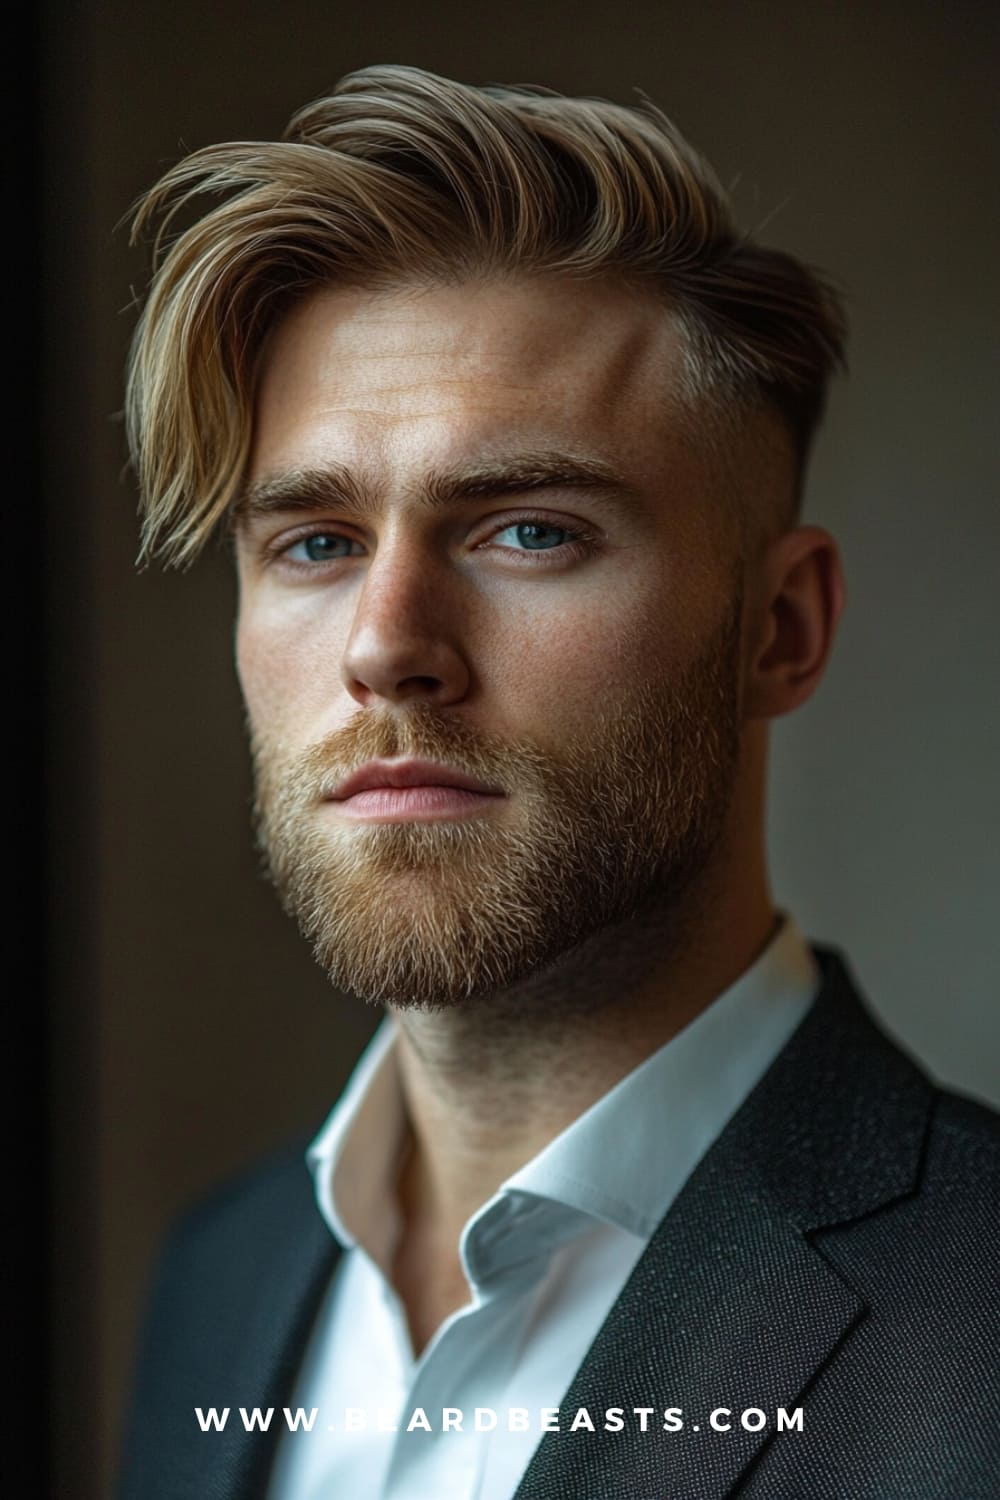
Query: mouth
409 791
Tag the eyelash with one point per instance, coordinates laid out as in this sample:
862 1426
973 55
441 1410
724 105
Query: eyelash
581 543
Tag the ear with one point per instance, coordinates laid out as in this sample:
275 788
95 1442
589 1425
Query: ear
799 597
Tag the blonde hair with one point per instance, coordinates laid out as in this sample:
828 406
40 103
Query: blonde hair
401 176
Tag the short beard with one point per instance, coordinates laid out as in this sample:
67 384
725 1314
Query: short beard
431 915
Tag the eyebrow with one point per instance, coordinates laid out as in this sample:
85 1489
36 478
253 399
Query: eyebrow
334 486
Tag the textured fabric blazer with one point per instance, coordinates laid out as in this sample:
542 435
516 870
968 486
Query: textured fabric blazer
835 1250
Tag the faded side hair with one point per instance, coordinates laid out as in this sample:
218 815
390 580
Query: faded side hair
403 176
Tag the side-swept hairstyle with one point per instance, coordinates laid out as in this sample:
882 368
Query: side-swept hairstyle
402 176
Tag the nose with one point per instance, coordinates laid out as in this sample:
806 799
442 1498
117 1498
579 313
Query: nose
403 642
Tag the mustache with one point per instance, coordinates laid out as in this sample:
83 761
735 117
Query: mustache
421 732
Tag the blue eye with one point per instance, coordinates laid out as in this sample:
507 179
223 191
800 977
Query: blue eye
536 536
321 547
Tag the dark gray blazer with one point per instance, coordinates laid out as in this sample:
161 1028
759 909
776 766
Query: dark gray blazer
835 1250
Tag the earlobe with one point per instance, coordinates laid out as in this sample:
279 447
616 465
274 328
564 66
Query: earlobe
802 598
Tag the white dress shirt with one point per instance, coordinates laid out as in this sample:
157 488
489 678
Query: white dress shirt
545 1258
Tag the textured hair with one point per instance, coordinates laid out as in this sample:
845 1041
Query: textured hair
401 176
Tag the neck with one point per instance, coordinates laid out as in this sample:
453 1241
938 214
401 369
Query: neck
488 1085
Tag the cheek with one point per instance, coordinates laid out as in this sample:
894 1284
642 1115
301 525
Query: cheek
255 670
285 672
559 668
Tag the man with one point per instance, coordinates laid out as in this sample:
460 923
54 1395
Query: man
630 1196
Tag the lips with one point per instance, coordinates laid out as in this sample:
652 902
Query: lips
403 773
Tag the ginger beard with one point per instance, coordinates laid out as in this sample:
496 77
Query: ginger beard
433 914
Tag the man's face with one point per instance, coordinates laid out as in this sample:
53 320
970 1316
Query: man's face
474 535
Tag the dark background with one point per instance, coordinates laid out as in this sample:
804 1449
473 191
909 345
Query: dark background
188 1028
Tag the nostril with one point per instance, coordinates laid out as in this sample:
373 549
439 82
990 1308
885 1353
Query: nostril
387 666
420 684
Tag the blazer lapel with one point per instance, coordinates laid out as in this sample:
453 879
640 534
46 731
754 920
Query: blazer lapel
731 1305
295 1270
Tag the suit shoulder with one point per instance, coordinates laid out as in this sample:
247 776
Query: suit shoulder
967 1120
963 1142
240 1270
257 1230
259 1200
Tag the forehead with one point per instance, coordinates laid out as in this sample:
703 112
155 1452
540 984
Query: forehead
391 378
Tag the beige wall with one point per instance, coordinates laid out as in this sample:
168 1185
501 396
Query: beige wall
192 1030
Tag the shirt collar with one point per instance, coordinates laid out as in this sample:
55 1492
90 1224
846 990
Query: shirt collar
623 1161
626 1158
